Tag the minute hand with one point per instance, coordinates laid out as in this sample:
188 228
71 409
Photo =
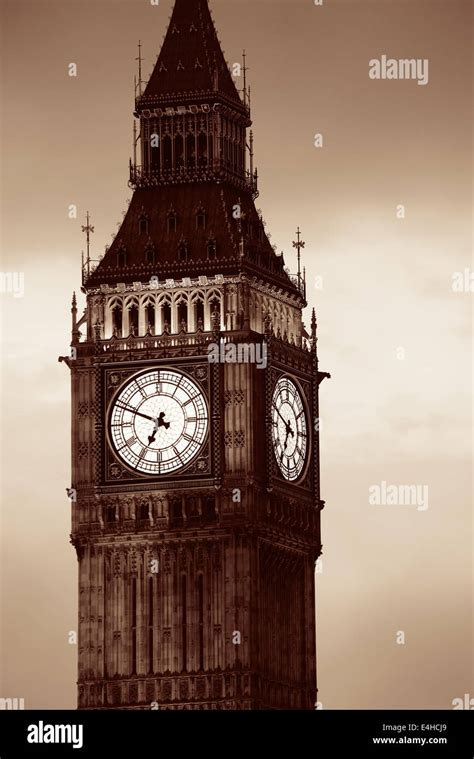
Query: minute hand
279 414
137 413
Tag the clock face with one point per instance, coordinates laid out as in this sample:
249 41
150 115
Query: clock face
289 429
158 422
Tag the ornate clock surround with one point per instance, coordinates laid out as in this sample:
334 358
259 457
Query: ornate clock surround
303 379
113 377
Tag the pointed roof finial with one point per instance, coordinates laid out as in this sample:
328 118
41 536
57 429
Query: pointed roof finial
139 59
251 153
298 245
88 229
244 71
314 327
75 334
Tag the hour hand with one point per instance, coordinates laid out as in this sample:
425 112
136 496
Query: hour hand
152 437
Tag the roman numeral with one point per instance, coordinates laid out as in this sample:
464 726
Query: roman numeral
174 391
131 441
190 400
177 453
144 395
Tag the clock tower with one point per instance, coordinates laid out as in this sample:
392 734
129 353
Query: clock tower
195 447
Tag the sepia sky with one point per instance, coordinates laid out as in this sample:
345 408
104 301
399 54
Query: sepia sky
394 335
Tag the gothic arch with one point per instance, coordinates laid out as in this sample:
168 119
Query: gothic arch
114 317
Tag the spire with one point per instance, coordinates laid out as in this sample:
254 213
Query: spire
191 61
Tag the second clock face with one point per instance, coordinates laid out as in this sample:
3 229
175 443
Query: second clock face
290 431
158 422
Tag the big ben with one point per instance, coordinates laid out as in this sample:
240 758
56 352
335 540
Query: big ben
195 418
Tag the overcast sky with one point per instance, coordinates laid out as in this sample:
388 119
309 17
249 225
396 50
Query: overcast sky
395 337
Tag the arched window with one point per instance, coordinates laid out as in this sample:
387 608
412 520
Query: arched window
201 219
166 316
211 250
121 257
172 221
179 150
214 302
110 514
150 254
155 148
133 319
167 151
117 319
143 511
182 316
199 305
209 509
202 149
143 225
150 317
182 252
190 150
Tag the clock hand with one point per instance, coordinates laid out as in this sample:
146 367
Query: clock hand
279 414
160 421
152 437
137 413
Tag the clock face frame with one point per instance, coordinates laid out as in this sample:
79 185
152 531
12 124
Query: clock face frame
290 432
158 422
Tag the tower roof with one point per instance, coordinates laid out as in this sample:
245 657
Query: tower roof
201 175
191 61
240 245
